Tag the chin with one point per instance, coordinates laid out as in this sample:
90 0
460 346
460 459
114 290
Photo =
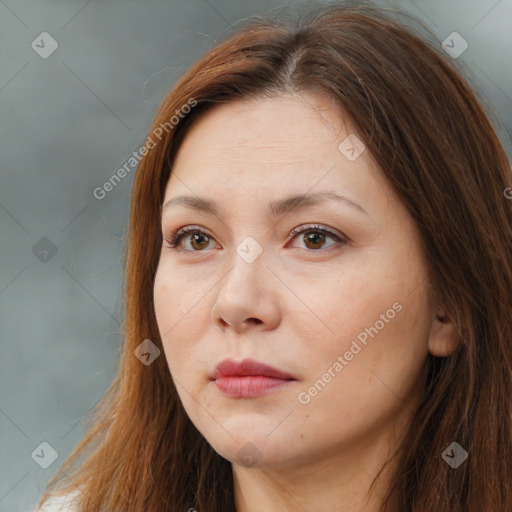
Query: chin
253 450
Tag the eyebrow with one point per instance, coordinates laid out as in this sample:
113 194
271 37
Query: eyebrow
274 209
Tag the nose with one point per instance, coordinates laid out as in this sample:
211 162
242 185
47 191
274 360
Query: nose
247 297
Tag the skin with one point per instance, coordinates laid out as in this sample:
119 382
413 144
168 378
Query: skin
297 307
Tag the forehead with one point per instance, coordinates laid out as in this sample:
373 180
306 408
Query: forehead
261 150
286 124
287 137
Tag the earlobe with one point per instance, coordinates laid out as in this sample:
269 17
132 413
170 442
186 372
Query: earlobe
444 338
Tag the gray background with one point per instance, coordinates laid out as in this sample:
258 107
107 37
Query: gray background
67 123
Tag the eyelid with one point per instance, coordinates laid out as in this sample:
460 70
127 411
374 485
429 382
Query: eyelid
303 228
178 234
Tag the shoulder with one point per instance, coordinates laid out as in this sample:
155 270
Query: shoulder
58 504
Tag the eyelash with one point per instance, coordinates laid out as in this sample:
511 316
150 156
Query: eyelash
173 239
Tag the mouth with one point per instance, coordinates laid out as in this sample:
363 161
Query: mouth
248 378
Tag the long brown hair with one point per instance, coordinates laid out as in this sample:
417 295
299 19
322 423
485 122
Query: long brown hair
428 131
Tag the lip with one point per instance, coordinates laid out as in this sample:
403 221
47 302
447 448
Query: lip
248 378
248 367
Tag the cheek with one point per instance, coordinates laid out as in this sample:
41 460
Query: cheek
177 316
374 379
177 299
339 306
182 309
377 321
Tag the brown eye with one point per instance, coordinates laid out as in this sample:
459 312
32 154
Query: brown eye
198 239
316 240
315 237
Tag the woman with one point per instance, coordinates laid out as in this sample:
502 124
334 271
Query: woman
343 339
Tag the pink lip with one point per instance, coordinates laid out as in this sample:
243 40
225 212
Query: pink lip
248 378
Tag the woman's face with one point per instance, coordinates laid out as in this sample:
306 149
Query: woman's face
342 308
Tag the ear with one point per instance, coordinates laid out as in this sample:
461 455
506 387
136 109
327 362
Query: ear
444 339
